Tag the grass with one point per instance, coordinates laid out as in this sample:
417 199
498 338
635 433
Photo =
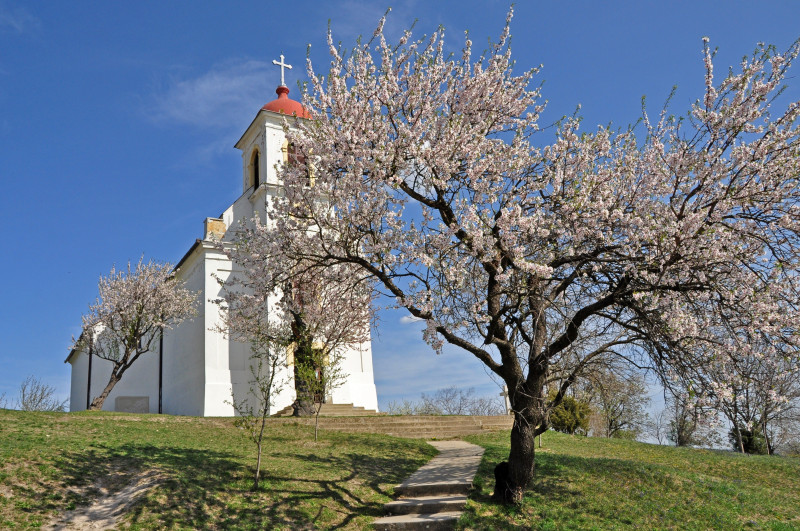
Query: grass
51 462
592 483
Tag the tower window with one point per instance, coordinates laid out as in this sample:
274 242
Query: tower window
254 170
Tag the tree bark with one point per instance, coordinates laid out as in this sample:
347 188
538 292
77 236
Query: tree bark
97 403
302 406
514 478
521 463
258 465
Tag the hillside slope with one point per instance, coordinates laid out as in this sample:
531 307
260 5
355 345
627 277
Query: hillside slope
594 483
51 463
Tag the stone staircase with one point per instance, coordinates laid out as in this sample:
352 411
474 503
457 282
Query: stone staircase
411 426
333 410
436 494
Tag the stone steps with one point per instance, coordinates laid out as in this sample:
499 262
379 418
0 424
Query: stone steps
429 522
434 496
427 504
333 410
419 427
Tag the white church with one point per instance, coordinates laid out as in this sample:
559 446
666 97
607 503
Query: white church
197 370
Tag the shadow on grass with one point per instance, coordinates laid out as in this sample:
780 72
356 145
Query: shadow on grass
367 471
553 475
191 477
212 489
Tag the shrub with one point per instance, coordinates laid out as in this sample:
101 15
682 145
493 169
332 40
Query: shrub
752 440
570 416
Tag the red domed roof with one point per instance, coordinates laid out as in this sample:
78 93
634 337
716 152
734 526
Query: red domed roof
284 105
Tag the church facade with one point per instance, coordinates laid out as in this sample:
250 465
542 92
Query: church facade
198 370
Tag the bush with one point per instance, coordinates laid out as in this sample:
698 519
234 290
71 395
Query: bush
35 395
627 435
570 416
752 440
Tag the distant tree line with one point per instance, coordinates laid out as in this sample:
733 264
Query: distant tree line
449 401
612 403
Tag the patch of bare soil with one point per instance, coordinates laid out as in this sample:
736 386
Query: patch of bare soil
106 511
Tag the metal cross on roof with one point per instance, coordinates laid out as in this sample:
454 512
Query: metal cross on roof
282 65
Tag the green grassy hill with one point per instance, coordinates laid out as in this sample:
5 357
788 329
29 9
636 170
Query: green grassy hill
51 463
594 483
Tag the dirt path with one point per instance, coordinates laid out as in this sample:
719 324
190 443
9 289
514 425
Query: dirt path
105 512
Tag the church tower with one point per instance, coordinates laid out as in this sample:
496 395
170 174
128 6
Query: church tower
260 158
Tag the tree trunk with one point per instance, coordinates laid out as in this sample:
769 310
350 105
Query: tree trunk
739 438
521 461
258 465
736 425
318 408
303 406
264 416
97 403
514 477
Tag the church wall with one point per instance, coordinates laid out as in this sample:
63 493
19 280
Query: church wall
183 369
228 362
136 392
275 139
266 135
286 395
240 211
203 370
218 385
360 386
79 362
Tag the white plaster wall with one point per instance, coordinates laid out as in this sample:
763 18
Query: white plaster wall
253 138
285 397
218 394
201 367
184 370
79 365
359 388
275 138
240 211
266 134
141 379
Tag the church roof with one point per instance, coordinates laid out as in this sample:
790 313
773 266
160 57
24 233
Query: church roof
285 105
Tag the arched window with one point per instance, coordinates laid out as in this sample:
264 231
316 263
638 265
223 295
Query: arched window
254 170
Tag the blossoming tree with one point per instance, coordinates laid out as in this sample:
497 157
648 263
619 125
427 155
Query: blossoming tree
130 314
428 180
300 317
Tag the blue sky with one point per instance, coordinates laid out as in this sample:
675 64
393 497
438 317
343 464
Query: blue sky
117 125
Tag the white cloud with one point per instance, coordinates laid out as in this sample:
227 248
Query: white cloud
408 319
17 20
229 93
